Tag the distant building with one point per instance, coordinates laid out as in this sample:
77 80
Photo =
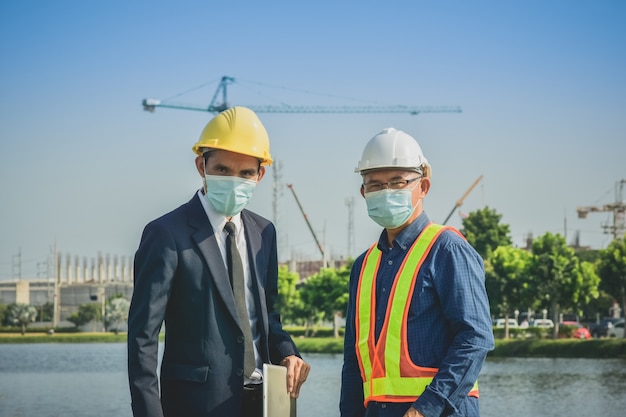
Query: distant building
37 292
83 284
307 268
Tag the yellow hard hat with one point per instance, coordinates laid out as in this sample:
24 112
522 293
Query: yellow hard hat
239 130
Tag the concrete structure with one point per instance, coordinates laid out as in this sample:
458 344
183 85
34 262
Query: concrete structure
80 282
307 268
38 292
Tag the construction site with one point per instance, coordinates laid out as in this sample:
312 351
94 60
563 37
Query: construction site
70 280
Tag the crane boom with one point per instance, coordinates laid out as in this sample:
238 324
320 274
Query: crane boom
460 200
319 246
150 104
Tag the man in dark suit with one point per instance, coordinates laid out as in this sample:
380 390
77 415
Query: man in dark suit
184 277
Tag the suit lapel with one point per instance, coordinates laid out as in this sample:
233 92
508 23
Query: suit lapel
207 244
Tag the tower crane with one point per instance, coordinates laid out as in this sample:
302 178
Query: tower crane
460 200
215 106
219 103
618 208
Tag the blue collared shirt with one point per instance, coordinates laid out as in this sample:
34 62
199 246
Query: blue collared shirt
449 325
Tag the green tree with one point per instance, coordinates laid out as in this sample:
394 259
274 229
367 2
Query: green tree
86 313
4 309
612 270
558 277
46 311
597 308
506 280
325 294
589 286
588 255
21 315
483 230
288 303
107 306
116 312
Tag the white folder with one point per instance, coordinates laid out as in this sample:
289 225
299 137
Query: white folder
276 400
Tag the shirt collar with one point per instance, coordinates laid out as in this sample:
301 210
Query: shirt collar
217 220
406 238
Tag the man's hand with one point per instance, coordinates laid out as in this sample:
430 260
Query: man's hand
412 412
297 373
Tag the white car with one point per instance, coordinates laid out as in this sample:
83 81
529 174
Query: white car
617 330
512 323
544 323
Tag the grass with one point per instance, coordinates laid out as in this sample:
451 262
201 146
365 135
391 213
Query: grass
561 348
564 348
85 337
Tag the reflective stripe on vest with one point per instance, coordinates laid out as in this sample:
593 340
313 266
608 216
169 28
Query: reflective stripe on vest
388 373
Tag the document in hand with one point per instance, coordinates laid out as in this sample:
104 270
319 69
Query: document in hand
276 400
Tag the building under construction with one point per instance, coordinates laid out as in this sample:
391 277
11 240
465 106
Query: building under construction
72 282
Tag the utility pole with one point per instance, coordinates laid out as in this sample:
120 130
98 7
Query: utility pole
56 309
350 205
17 264
277 192
102 297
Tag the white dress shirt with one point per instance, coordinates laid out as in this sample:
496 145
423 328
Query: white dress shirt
218 221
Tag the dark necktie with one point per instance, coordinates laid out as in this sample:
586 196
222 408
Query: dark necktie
237 281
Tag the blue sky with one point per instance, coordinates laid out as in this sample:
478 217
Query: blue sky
542 86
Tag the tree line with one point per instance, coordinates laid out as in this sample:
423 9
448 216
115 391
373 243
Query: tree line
21 315
549 275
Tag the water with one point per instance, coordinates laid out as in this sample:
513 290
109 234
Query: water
89 380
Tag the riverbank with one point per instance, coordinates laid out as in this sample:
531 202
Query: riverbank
529 348
604 348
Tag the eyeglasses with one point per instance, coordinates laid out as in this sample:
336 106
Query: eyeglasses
392 185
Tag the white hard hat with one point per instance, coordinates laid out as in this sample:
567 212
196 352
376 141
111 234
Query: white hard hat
393 148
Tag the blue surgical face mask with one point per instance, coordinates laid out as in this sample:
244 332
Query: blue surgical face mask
390 208
228 195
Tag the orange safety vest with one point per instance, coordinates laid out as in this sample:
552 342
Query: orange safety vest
388 373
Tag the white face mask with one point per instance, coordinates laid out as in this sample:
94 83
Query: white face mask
390 208
228 195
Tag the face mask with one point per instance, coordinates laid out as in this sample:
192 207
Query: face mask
390 208
228 195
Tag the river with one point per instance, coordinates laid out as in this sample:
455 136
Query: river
89 380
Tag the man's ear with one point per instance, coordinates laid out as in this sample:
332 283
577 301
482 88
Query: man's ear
261 173
362 191
424 186
200 165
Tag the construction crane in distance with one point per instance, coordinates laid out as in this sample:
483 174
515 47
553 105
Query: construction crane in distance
618 208
150 104
460 200
308 223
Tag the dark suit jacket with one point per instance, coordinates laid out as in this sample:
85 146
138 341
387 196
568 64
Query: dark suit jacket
180 278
